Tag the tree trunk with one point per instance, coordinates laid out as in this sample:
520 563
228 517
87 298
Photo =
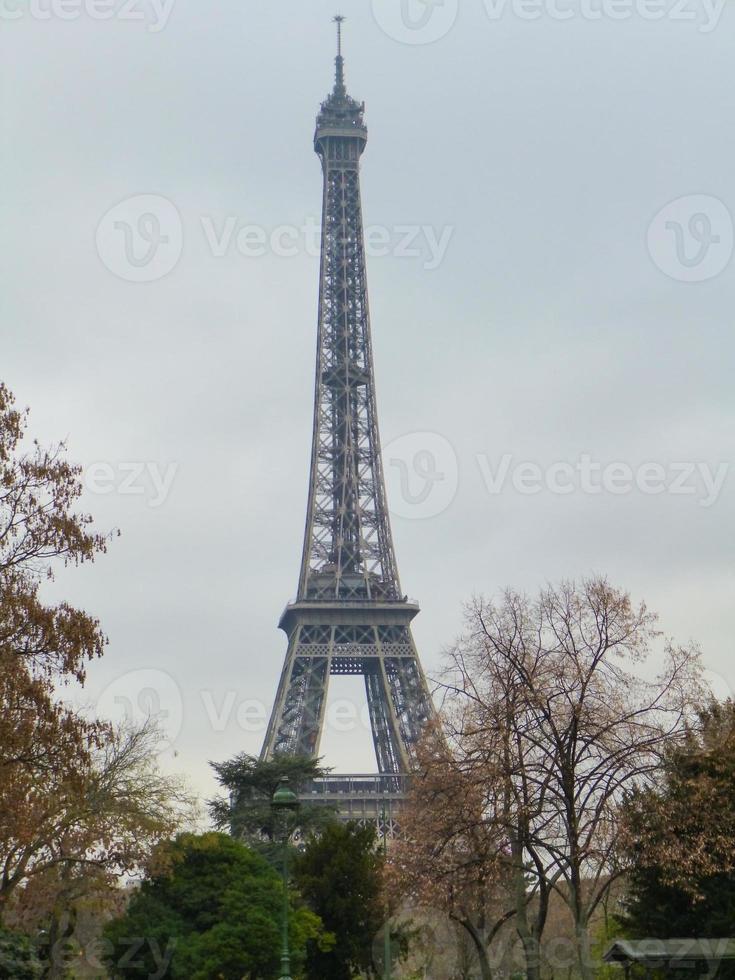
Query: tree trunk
61 930
528 935
584 951
486 972
581 932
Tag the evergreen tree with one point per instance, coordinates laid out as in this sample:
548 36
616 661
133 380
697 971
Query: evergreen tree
18 958
212 910
247 812
681 838
339 875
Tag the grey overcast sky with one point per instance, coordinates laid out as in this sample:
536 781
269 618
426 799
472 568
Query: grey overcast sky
549 186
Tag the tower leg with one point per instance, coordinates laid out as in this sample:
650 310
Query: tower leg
389 752
297 718
410 699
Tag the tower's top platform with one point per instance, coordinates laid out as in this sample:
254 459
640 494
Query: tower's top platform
339 114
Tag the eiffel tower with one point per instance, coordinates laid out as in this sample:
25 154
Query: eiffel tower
350 616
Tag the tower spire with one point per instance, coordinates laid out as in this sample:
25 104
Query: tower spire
339 77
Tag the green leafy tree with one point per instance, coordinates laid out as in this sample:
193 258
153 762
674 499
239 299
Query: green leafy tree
213 909
18 957
339 874
250 783
681 837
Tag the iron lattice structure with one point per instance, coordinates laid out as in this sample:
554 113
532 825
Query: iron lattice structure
350 616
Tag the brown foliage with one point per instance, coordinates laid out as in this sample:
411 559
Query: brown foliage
549 719
44 745
449 855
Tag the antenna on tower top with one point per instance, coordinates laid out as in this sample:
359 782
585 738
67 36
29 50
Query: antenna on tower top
340 72
339 21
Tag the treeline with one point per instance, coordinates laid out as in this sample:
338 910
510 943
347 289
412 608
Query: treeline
101 873
82 803
579 786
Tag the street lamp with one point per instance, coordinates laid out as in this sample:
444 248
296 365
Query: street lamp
387 956
285 801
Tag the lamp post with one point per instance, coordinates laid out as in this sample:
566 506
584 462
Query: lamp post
386 932
285 800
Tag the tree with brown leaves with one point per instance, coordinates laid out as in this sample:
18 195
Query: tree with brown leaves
81 803
550 718
121 808
448 856
42 645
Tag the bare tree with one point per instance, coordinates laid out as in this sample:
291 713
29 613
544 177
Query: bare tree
104 825
449 857
550 717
